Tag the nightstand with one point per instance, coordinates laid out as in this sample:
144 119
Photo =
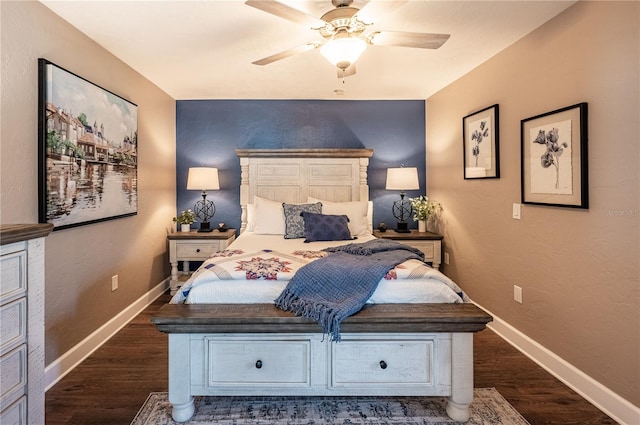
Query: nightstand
429 243
194 246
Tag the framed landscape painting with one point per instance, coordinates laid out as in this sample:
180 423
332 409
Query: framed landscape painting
481 142
554 158
88 150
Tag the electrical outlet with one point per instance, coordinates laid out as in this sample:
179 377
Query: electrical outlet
516 211
446 258
517 294
114 282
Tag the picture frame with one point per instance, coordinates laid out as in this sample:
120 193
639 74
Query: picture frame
481 144
87 150
554 165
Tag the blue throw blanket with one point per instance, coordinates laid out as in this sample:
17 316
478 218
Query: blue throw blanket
333 288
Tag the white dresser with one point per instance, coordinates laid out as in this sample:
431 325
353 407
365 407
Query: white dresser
22 323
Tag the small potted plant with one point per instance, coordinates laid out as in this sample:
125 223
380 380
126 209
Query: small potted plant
424 209
185 219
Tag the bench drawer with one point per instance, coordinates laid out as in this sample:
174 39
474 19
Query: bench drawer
373 362
237 362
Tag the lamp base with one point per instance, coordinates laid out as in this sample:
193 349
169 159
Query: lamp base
204 227
204 210
402 228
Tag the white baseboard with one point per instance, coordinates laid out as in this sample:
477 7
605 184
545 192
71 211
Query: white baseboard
597 394
64 364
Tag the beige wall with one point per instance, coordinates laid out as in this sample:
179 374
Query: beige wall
81 261
578 268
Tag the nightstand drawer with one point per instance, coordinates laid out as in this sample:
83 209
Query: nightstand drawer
428 248
429 243
196 251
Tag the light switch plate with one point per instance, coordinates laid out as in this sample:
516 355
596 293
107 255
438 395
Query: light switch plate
517 294
516 211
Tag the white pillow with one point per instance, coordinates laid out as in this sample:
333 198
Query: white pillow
251 217
357 211
268 217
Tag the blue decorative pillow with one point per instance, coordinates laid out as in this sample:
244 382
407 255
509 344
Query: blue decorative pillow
293 222
324 227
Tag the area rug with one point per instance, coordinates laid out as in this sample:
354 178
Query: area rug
488 408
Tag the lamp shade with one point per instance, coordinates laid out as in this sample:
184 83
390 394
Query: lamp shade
343 51
203 178
402 179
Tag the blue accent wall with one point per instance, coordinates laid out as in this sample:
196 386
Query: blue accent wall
209 131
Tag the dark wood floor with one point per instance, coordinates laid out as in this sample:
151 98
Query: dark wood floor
110 386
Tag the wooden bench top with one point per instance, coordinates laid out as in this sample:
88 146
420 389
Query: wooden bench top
267 318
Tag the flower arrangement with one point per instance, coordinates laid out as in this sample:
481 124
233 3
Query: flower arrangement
185 217
424 208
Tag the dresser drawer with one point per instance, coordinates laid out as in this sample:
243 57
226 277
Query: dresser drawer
196 251
362 362
13 375
15 414
13 275
237 362
13 324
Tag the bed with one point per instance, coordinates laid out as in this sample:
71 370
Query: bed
227 337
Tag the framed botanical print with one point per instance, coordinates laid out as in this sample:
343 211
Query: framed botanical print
554 169
481 139
88 150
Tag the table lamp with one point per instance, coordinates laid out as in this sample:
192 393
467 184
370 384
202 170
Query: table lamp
402 179
203 178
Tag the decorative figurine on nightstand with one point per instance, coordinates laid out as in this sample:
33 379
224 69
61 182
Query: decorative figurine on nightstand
222 227
382 227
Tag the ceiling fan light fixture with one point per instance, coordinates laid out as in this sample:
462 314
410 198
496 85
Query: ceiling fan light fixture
343 51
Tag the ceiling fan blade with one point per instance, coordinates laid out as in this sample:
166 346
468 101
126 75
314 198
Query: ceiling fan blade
349 71
286 53
283 11
376 9
408 39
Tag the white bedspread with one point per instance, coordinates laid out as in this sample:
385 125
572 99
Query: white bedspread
220 280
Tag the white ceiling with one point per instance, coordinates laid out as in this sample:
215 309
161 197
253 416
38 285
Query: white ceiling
204 49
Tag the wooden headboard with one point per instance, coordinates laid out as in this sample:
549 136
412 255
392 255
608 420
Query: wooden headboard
291 175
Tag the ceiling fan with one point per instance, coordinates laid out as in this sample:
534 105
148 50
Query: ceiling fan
344 32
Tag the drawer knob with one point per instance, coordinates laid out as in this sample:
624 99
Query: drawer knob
259 364
198 250
383 364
